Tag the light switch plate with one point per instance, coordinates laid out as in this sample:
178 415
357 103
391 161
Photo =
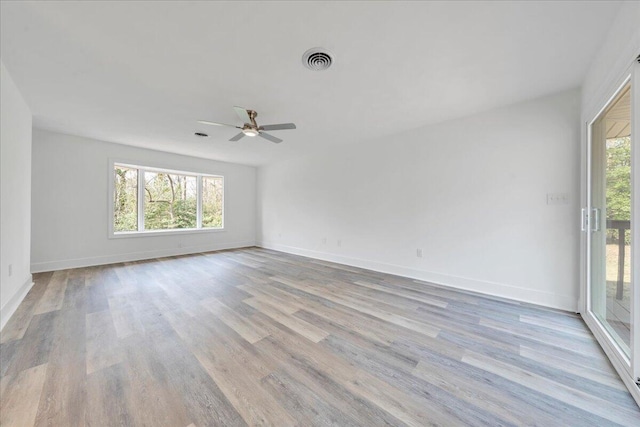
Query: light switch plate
557 198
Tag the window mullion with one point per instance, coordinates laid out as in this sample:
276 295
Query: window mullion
141 183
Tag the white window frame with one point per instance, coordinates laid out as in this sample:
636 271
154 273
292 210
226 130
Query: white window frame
141 232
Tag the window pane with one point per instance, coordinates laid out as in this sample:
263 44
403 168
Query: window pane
125 199
170 201
212 202
611 241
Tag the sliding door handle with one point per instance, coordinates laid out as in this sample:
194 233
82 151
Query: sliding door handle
594 220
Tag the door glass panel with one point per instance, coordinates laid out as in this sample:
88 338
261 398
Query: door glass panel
611 244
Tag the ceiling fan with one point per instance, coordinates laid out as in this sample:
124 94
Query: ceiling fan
250 127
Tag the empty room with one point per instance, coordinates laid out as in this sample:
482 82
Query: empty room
318 213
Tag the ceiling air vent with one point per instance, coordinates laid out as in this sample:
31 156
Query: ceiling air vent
317 59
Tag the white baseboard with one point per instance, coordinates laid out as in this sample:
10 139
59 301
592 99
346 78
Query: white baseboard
547 299
39 267
11 306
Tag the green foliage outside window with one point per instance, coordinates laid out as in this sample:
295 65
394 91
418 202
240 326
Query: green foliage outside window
170 200
125 210
212 193
618 183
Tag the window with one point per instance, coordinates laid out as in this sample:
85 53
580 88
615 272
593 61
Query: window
170 201
125 201
212 201
153 200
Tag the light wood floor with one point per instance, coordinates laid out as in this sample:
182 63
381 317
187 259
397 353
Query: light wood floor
259 337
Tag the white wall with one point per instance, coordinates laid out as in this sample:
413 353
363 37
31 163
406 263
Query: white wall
70 204
614 57
15 196
471 193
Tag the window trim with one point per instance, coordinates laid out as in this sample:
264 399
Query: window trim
142 167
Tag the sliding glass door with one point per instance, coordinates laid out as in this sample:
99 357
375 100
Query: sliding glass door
611 208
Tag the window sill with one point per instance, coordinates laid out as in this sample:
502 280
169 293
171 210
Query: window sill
152 233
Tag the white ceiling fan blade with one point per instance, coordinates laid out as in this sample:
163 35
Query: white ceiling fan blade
242 113
281 126
270 137
237 137
206 122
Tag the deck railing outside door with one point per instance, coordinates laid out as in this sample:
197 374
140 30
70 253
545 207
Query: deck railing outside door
621 226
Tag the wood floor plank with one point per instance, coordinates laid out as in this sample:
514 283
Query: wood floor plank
63 399
398 359
259 337
558 391
126 282
75 295
579 330
353 323
307 330
401 293
245 393
124 313
103 349
309 407
20 395
606 377
172 344
203 400
364 308
54 294
361 383
284 303
109 397
152 400
477 393
245 327
333 393
33 349
394 368
19 322
579 344
97 299
396 403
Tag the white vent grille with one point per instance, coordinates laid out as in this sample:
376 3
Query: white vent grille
317 59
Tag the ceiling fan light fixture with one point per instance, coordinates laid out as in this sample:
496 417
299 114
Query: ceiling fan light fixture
250 132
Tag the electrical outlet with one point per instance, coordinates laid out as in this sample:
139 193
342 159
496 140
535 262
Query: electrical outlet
339 243
324 240
419 253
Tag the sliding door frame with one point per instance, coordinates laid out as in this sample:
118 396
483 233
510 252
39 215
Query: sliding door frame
627 368
635 220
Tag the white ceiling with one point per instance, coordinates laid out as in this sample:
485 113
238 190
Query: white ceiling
141 73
